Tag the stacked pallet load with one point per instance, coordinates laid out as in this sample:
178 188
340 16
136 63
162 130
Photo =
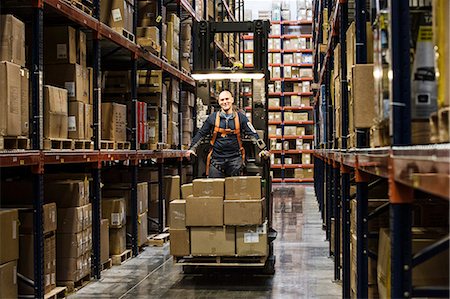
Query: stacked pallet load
148 35
114 209
173 97
223 220
187 110
186 46
14 86
173 40
9 253
118 14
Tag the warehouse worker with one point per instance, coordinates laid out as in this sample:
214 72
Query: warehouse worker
227 155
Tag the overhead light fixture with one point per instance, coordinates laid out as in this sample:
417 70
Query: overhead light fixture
227 75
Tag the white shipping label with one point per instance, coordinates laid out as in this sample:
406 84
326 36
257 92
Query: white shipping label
117 16
14 230
70 86
140 206
61 51
53 278
47 280
251 238
262 229
115 218
53 216
152 132
72 126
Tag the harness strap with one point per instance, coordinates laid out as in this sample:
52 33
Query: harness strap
213 140
237 128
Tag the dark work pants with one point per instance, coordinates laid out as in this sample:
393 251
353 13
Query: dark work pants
221 167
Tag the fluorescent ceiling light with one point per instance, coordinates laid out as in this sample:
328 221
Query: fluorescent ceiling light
224 76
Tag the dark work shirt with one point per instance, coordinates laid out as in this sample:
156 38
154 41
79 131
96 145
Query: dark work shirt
228 146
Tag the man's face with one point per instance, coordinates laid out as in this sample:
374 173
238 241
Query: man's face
226 101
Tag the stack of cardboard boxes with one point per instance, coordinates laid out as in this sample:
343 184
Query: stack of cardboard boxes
173 137
114 122
118 14
14 85
173 39
222 217
171 192
9 252
188 101
186 45
148 35
114 209
26 240
65 67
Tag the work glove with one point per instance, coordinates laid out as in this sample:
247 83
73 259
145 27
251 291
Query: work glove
265 154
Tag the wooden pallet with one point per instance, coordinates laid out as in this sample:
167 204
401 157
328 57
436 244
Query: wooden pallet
125 33
119 259
81 6
158 240
56 293
149 45
122 145
73 286
106 145
107 265
14 142
58 144
221 261
83 145
185 71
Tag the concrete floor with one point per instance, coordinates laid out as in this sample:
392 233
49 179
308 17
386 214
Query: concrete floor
303 269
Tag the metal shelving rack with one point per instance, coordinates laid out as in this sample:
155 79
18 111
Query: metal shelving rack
36 159
407 168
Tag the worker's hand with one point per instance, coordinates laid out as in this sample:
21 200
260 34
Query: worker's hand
191 153
265 154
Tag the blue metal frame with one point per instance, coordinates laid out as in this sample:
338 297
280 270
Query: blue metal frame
337 223
362 192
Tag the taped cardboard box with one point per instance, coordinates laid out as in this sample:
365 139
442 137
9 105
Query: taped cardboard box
117 14
362 105
204 211
148 13
104 240
208 187
55 112
114 122
70 220
12 40
10 99
72 77
186 190
71 245
69 269
49 222
243 212
117 240
213 241
76 120
61 45
124 190
179 242
66 194
171 187
9 230
178 214
87 216
25 100
243 187
113 209
8 280
252 240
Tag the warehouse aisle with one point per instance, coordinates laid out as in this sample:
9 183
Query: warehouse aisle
302 269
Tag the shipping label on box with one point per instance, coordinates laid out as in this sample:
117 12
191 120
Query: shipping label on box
113 209
61 45
251 240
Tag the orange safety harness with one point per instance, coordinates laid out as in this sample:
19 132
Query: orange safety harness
223 133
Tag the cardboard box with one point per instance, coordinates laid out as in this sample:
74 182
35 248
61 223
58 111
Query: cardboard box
243 212
148 13
61 45
142 228
362 96
124 190
25 100
104 240
213 241
87 216
88 121
49 222
186 190
69 269
252 240
70 220
113 209
81 48
9 229
117 240
76 120
117 14
114 122
55 112
171 186
72 77
208 187
10 99
243 187
71 245
66 194
351 46
179 242
178 214
8 280
204 211
12 40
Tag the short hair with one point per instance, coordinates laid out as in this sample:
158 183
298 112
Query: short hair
226 90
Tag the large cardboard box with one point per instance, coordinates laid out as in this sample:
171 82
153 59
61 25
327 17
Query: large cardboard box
10 99
55 112
434 271
243 212
114 122
87 216
49 222
243 187
114 210
252 240
215 241
71 245
81 48
186 190
362 99
178 214
76 120
66 194
124 190
351 46
171 187
208 187
25 100
117 14
104 240
9 230
204 211
8 280
72 77
69 269
148 13
60 45
12 40
117 240
70 220
179 242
